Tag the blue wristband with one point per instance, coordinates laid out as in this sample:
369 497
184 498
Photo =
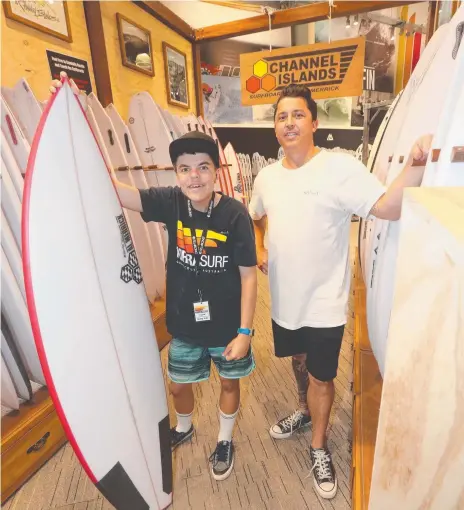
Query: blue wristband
246 331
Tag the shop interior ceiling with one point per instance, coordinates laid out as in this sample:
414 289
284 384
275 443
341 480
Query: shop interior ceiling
231 18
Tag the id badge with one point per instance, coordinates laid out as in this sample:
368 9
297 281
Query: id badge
201 311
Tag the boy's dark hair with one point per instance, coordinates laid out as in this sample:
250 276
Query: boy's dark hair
294 90
194 142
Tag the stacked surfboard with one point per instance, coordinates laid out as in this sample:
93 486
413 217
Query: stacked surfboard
432 103
421 411
21 373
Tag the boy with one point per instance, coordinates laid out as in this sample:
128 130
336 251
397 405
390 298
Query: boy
211 284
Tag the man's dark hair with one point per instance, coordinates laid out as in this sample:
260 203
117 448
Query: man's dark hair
302 91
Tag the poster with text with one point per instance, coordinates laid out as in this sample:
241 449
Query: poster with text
76 69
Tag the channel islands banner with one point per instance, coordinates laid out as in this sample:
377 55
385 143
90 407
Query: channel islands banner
328 69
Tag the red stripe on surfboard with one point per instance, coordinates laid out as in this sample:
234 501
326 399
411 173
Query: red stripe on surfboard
416 50
11 129
234 155
221 176
223 162
30 291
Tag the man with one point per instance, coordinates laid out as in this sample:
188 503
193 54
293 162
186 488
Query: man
211 284
307 201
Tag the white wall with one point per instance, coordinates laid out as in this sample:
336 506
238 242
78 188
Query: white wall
199 14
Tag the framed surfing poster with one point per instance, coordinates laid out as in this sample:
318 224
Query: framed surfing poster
175 67
136 47
50 18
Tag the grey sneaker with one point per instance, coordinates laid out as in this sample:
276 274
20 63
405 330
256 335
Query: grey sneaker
222 460
290 424
179 437
325 479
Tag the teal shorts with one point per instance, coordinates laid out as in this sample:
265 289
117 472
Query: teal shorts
189 363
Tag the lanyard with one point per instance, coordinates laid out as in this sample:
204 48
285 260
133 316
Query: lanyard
198 249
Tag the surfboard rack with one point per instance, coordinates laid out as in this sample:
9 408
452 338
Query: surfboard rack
457 154
148 168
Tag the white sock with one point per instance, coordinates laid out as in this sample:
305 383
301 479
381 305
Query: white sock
226 425
184 422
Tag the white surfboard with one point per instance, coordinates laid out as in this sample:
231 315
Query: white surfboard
171 124
25 107
143 248
181 129
221 182
422 118
15 311
11 204
365 225
100 309
152 138
236 174
156 231
248 172
9 397
223 159
96 130
384 155
14 136
226 180
12 253
445 165
15 367
191 123
14 171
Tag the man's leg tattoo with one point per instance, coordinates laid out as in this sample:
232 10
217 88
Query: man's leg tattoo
302 380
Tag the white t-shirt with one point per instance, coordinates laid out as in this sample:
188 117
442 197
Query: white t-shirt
309 216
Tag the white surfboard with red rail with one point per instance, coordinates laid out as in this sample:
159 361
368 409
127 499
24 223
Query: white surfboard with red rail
90 315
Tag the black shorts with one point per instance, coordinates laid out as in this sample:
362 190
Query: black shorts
321 346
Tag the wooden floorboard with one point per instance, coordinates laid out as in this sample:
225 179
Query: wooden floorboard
268 474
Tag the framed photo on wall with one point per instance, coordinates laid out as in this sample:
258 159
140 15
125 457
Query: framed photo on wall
175 65
49 18
136 47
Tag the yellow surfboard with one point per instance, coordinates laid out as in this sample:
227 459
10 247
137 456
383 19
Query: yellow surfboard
401 44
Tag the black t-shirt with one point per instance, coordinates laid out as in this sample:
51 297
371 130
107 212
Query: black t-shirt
230 243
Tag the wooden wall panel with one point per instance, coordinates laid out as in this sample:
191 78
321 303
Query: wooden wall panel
24 51
125 81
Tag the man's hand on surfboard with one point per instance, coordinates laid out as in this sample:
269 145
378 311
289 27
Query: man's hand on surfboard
420 151
388 207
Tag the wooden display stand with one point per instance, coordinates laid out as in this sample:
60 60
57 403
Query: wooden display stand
367 391
158 313
32 435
